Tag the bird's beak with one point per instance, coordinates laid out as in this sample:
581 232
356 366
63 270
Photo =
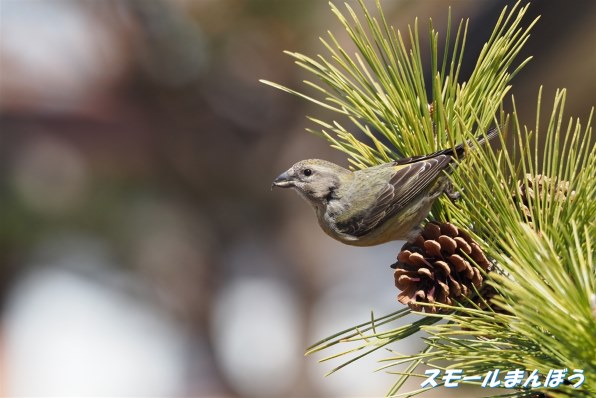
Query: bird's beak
283 181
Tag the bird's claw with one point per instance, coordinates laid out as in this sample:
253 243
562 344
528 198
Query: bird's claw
451 193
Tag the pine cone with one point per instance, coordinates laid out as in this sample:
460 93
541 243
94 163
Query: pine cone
435 267
535 186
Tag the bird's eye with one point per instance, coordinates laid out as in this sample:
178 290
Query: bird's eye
307 172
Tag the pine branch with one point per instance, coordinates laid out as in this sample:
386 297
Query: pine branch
531 210
381 88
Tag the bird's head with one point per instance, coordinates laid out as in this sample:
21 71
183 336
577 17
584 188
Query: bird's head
316 180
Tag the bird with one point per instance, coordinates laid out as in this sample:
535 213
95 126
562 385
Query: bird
377 204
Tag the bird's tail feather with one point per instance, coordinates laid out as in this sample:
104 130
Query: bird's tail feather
457 152
481 140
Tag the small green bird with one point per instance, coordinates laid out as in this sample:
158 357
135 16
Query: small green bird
378 204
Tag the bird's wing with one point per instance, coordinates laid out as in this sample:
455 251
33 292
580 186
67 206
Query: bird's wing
409 181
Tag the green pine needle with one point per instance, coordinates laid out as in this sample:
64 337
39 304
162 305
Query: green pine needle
381 88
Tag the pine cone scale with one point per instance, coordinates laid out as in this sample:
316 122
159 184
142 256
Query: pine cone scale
438 267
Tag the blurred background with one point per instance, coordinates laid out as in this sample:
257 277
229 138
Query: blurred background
142 252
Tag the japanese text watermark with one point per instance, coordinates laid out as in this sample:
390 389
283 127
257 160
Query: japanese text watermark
518 378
